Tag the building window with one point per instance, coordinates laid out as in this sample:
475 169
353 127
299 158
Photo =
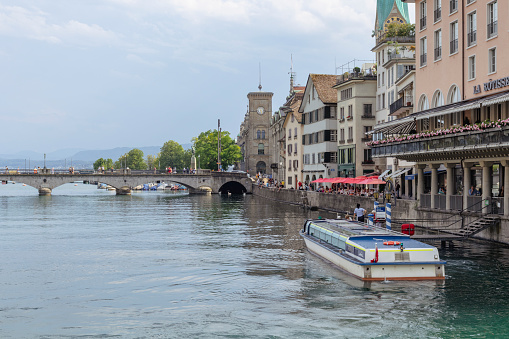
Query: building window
295 133
367 156
289 149
422 8
333 135
289 182
349 156
342 158
334 157
383 100
258 134
438 45
295 149
454 37
454 95
346 94
471 29
261 149
423 103
453 6
424 51
492 55
439 122
350 134
350 111
289 165
342 135
313 157
492 19
438 10
263 134
342 113
438 99
368 110
456 118
471 67
289 133
383 78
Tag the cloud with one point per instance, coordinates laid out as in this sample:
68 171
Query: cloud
34 24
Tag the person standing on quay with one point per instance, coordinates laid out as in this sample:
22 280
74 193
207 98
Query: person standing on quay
359 213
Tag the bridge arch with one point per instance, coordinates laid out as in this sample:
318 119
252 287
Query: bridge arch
232 187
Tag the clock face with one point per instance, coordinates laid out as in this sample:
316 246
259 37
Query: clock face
393 19
260 110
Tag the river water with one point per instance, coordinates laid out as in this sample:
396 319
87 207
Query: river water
86 263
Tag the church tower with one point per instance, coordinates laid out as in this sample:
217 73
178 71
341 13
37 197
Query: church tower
388 11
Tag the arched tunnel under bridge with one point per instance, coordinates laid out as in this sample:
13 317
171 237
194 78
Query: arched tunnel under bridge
232 187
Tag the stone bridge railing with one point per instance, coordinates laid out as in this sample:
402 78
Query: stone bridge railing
214 182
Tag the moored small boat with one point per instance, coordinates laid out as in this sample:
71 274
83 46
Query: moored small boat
372 253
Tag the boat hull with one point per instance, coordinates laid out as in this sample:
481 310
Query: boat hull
376 271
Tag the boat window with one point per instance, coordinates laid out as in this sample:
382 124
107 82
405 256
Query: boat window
349 248
359 252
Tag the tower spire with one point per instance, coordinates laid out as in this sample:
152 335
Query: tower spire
260 75
292 75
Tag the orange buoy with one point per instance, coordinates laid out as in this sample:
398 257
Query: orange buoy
391 243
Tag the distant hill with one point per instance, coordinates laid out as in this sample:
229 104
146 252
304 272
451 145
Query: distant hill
63 158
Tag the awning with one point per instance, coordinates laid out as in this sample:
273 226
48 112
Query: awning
403 128
398 173
384 174
496 99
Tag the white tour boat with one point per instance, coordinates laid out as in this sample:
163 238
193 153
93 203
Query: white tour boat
372 253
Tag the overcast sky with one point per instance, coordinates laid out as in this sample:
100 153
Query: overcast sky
98 74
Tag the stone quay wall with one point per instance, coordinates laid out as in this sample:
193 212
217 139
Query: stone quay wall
404 211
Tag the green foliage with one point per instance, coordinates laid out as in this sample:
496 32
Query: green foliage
206 150
398 29
132 159
172 155
152 161
107 163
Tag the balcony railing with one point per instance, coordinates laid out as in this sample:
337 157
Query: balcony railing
481 140
492 29
424 59
454 46
423 23
438 14
453 6
438 53
405 101
368 162
354 75
405 38
368 116
471 38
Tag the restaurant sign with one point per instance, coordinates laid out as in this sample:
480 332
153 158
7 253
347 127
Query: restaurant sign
492 85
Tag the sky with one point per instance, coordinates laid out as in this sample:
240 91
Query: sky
99 74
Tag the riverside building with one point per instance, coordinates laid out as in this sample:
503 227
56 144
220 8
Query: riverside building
319 139
356 92
395 60
458 135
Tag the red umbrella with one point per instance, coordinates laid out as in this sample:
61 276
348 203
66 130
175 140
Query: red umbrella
337 180
372 181
355 180
319 180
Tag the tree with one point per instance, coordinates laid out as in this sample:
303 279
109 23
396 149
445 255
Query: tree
106 163
132 159
206 149
152 161
172 155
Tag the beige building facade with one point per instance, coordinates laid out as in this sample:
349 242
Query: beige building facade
293 136
356 93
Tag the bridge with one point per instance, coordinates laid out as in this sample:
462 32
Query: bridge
124 180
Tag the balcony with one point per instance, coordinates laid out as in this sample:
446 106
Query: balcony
492 29
409 38
437 14
471 38
342 78
424 59
438 53
401 104
454 46
492 142
368 117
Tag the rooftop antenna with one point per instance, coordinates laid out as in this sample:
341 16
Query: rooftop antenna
292 75
260 74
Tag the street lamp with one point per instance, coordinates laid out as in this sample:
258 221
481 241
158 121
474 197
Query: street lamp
199 162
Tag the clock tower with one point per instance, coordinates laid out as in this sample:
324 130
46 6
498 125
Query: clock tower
257 152
389 11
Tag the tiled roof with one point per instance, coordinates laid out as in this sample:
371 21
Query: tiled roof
323 84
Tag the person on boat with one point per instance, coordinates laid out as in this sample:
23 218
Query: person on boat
359 213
